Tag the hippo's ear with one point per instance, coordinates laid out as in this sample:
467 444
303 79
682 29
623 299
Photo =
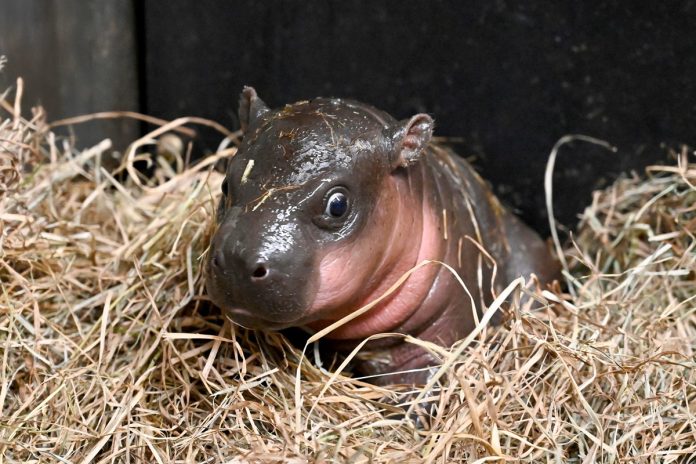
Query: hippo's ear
409 139
251 107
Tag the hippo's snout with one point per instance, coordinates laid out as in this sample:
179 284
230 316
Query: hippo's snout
254 279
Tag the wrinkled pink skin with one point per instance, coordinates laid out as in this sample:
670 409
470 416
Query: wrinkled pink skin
353 276
412 201
430 304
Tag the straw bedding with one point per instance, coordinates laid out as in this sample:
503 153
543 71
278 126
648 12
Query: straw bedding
109 351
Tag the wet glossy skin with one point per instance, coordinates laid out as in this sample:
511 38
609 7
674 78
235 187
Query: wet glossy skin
283 257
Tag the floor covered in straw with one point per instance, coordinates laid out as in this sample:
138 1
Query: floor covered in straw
109 351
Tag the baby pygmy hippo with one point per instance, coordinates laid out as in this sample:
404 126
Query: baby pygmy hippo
329 202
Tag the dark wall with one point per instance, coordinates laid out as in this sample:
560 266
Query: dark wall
509 78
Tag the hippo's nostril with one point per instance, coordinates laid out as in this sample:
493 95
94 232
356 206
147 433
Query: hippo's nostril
260 272
217 260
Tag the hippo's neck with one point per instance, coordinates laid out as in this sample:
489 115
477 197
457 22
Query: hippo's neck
442 312
414 235
460 219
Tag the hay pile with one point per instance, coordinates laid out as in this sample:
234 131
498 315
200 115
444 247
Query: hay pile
110 353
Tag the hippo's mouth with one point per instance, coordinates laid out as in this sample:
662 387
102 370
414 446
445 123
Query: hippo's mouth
257 315
250 320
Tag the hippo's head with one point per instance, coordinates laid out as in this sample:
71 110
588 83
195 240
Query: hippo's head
307 220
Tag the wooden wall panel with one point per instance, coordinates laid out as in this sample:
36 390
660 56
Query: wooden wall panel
76 57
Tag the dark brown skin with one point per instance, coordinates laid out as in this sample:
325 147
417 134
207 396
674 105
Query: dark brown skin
329 202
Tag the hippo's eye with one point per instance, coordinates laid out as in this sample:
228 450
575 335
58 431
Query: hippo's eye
336 205
335 213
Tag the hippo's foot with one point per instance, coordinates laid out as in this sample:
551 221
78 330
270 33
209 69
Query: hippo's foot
421 412
416 372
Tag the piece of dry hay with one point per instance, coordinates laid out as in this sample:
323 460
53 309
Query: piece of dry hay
110 352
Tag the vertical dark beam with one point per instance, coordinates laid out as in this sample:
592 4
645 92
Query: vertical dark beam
76 57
